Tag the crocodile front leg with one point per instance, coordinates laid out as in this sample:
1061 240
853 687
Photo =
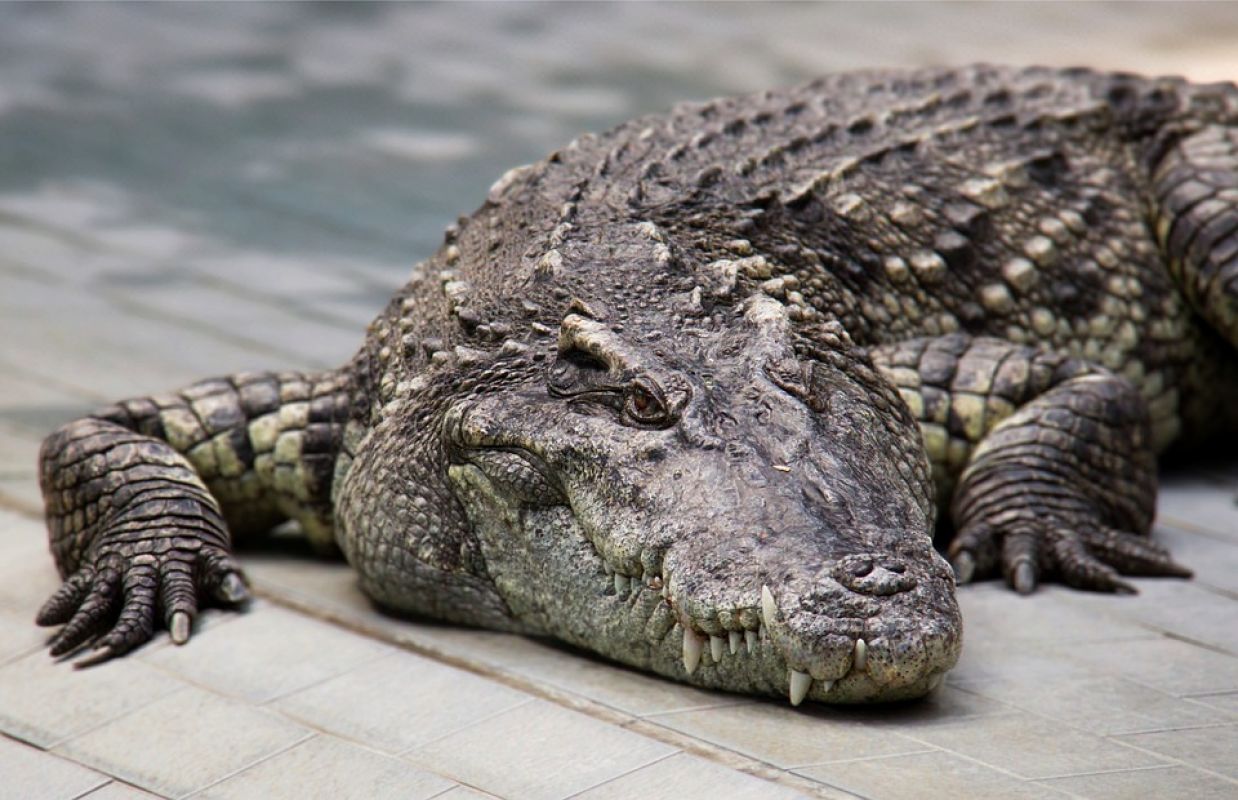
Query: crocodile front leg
1046 461
140 498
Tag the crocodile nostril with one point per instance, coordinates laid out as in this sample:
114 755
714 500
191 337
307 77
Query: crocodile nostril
895 567
861 568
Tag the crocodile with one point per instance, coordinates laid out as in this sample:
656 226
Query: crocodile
700 394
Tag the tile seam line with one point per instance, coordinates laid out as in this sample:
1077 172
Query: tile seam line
863 759
1105 675
86 795
196 792
614 778
1150 768
103 776
84 393
1183 525
408 753
271 702
1007 772
63 740
151 313
741 762
558 697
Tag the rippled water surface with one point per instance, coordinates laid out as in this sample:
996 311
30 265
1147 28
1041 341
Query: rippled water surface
359 131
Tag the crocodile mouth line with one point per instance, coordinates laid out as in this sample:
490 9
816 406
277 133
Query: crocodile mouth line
746 645
700 646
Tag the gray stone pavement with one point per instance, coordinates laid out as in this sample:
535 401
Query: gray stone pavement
192 190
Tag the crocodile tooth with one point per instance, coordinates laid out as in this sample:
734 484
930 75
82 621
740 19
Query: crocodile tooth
801 682
733 638
693 642
769 609
750 638
826 686
623 584
935 681
715 648
761 631
860 658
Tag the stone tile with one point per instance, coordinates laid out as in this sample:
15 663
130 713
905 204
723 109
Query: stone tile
464 793
1170 665
1191 503
286 335
119 791
923 776
1032 747
1213 748
948 704
787 737
27 574
315 582
29 772
1054 614
683 775
613 685
1214 560
43 701
538 750
325 766
1157 782
183 742
1226 703
22 493
991 655
19 635
171 354
1188 610
400 701
267 652
1103 705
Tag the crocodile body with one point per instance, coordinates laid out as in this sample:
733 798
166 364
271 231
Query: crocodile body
693 393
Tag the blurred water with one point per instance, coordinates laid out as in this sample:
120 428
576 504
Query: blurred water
361 130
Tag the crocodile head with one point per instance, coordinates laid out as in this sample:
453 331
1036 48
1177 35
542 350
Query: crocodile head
720 508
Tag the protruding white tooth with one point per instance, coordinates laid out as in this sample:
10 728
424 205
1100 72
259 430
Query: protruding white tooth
826 686
935 681
801 682
750 638
607 568
715 648
693 642
623 585
769 609
859 660
761 631
733 639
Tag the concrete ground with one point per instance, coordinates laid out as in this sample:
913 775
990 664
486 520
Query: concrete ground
194 190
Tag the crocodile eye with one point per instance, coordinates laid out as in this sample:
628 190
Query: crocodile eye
644 405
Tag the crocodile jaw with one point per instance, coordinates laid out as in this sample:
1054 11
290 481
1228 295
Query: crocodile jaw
555 583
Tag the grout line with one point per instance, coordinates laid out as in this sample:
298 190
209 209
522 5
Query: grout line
406 753
614 778
1149 768
280 751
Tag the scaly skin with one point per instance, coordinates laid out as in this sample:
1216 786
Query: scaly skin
691 393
